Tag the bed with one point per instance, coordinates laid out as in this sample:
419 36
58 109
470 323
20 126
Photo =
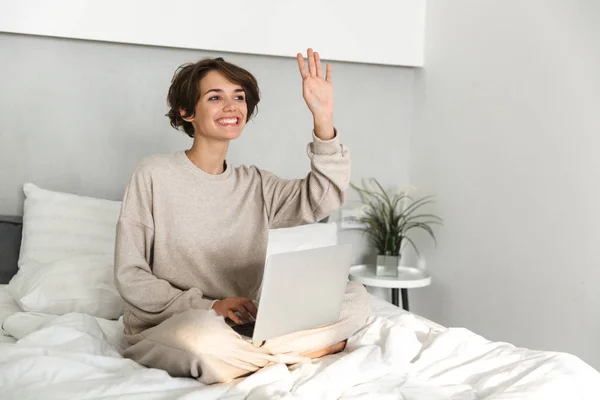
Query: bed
62 338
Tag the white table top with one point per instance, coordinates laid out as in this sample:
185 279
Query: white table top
407 278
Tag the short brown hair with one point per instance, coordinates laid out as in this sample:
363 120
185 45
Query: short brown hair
184 92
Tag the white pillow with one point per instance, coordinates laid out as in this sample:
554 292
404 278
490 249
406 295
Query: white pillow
66 263
83 284
61 225
302 237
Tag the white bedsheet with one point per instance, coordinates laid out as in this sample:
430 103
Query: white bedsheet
396 356
8 306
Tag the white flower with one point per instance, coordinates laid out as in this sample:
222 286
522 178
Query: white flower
362 212
371 188
406 189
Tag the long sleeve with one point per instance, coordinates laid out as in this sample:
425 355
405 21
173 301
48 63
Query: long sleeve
292 202
151 300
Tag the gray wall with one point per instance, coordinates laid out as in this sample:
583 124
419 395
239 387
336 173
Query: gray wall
77 116
507 134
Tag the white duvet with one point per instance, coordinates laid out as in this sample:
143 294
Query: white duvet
395 356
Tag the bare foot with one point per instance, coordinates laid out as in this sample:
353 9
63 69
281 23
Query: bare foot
336 348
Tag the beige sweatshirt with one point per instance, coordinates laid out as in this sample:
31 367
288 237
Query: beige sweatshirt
186 238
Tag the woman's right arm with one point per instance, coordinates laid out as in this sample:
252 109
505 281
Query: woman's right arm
150 298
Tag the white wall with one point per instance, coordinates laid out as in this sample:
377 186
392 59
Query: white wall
77 116
508 137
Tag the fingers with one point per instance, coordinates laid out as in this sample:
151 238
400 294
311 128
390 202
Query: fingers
232 316
315 67
251 308
312 67
243 312
319 66
234 305
301 66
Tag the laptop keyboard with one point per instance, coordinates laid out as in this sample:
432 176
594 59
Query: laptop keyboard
245 329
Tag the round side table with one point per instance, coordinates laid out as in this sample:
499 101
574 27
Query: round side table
408 278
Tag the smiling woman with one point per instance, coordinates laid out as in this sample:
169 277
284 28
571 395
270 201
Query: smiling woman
192 235
224 91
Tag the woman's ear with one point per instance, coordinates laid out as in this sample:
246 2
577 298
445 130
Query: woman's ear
184 115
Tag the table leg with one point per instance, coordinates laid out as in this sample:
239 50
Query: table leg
395 298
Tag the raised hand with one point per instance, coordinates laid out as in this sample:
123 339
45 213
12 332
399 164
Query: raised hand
317 91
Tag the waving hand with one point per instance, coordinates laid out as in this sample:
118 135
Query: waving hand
317 91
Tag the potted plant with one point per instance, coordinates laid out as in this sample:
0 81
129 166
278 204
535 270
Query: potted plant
387 221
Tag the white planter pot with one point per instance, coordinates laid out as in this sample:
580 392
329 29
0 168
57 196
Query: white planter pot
387 265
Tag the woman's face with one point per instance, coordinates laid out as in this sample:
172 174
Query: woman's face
221 110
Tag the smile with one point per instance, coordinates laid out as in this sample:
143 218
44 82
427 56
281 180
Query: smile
228 121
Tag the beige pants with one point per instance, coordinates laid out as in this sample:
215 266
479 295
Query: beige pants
197 343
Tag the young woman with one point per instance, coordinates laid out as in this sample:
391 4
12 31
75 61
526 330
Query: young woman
192 234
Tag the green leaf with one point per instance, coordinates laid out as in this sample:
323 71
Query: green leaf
386 197
385 224
439 220
376 195
414 246
398 199
426 228
416 205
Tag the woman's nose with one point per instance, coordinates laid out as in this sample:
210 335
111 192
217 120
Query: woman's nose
229 105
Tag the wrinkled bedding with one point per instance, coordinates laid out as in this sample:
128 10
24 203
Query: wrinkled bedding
397 355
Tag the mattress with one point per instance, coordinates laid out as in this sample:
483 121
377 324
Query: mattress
397 355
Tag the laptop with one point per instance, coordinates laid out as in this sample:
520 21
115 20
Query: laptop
300 290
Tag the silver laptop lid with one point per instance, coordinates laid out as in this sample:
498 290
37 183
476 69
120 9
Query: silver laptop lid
302 290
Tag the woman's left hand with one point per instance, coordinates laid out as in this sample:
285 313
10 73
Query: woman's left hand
317 90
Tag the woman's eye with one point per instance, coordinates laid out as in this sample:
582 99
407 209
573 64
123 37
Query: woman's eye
241 98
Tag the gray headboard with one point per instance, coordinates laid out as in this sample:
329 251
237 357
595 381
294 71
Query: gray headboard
10 244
